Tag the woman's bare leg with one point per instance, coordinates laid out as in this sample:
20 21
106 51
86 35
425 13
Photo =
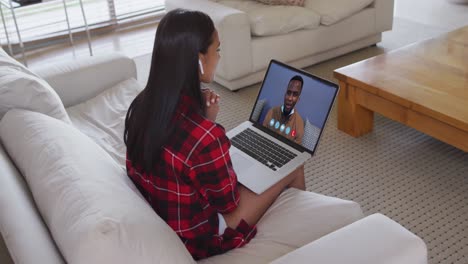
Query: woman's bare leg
299 180
253 206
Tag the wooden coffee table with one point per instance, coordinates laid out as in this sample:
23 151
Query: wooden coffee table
423 85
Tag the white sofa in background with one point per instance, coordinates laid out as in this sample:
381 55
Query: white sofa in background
65 196
252 35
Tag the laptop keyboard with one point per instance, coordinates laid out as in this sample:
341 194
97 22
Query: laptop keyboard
262 149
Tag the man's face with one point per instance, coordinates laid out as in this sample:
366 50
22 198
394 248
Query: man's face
292 95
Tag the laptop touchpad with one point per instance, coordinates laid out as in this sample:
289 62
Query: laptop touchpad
241 164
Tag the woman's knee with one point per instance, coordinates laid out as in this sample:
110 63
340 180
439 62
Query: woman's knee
298 178
251 207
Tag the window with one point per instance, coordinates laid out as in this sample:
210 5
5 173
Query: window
48 18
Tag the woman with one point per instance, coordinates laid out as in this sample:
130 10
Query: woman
177 155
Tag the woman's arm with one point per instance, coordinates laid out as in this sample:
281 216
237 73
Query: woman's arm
211 106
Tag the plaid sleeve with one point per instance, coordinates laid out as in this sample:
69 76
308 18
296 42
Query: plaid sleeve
213 174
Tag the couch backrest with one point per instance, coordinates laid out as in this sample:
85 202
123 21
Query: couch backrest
20 88
94 212
26 236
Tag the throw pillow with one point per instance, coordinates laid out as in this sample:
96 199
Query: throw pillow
102 118
94 212
20 88
311 135
332 11
266 20
283 2
7 61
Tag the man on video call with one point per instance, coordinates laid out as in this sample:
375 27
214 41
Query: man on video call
285 119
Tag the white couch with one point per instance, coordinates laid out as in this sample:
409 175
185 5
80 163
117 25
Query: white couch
341 27
65 196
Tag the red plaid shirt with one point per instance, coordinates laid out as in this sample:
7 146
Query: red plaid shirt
194 182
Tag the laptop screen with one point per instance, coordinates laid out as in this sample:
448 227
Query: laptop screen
293 105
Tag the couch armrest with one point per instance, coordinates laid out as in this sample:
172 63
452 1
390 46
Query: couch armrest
384 14
80 80
234 33
373 239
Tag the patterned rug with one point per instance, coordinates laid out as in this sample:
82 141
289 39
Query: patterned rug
416 180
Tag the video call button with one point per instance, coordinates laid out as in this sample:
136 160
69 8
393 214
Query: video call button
282 127
272 122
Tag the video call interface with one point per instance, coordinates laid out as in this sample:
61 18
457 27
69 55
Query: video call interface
294 105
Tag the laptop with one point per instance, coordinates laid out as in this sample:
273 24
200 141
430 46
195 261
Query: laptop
284 127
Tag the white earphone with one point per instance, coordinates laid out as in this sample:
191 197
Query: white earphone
201 66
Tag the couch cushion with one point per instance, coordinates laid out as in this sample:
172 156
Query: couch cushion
309 216
20 88
102 118
82 79
295 219
256 251
268 20
283 2
93 210
381 239
324 39
332 11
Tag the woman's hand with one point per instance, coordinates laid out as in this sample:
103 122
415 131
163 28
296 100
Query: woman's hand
211 100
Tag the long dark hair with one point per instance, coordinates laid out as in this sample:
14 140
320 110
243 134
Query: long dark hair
180 37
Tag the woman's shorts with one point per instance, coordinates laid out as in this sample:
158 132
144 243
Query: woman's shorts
222 224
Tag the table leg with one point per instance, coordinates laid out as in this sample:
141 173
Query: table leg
353 119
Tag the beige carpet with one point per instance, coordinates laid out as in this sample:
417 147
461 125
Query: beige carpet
412 178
